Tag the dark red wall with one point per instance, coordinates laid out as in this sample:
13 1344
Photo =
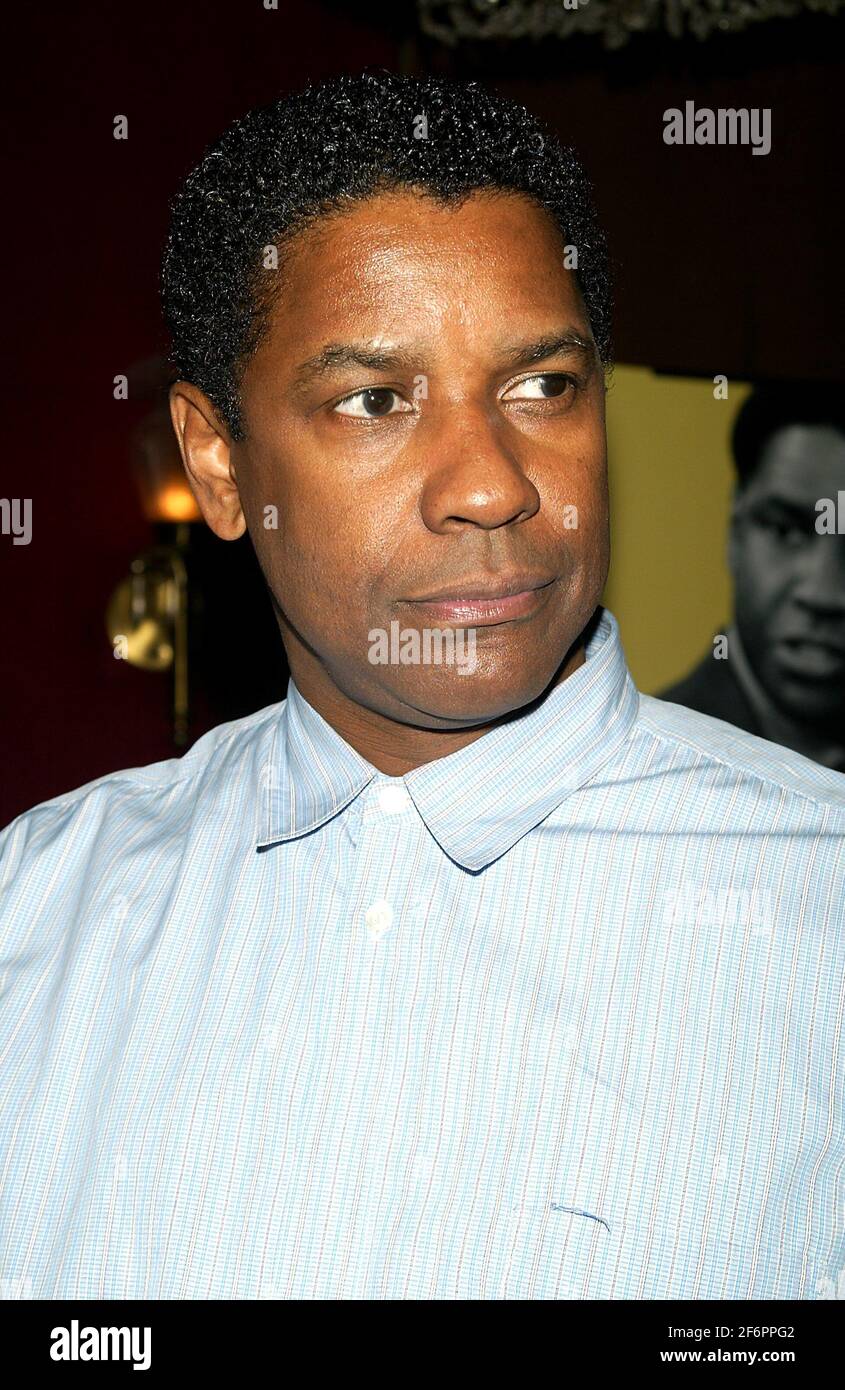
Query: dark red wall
85 219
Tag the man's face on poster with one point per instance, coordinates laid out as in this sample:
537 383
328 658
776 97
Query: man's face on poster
790 576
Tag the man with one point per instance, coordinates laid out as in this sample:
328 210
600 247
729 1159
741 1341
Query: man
779 670
429 982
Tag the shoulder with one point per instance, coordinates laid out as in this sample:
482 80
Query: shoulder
724 755
712 688
700 677
64 832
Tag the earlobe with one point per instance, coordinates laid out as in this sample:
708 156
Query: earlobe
206 450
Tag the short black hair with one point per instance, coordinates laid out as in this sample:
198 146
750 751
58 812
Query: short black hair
774 406
340 141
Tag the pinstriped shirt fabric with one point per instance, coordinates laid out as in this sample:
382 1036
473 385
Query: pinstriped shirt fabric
557 1016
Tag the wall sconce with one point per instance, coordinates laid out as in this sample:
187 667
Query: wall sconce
147 615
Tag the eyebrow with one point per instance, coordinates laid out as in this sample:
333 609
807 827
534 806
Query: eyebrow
550 345
780 502
338 355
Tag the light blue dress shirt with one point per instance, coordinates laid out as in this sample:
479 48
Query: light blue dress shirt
558 1016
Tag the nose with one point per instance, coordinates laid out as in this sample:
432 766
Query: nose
474 477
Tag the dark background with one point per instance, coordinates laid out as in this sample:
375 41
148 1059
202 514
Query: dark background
735 271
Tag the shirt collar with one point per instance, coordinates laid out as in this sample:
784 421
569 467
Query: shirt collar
478 802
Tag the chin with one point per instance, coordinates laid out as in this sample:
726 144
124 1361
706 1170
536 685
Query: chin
805 702
820 713
453 695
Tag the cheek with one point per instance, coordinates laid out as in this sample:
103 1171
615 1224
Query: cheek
575 505
319 546
762 583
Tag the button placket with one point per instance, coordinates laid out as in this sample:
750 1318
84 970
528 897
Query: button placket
386 799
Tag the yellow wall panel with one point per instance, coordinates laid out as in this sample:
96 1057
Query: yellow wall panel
671 478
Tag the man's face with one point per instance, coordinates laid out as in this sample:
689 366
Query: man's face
790 580
418 457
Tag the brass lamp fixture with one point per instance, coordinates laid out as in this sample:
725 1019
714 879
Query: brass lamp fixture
147 615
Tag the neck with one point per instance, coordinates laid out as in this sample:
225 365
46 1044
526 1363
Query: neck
775 724
388 744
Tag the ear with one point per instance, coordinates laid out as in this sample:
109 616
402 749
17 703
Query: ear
206 449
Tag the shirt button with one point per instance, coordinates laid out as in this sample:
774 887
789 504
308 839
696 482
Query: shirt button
392 799
378 918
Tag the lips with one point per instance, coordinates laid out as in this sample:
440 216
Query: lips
811 657
821 644
486 601
485 587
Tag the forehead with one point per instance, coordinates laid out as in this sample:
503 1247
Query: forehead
401 260
803 463
412 217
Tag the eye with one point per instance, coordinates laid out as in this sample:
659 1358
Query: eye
372 404
785 530
545 386
789 533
